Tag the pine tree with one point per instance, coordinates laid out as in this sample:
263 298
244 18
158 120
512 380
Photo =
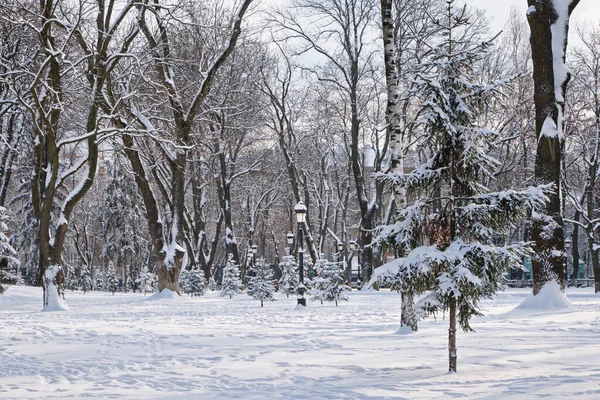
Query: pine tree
98 281
8 256
329 284
112 283
231 283
289 275
184 281
71 279
146 281
260 286
197 282
319 282
447 233
212 284
85 279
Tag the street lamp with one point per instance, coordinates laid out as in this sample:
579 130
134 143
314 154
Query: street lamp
566 258
254 251
300 210
290 242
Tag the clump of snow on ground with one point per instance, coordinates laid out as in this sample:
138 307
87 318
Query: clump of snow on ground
166 294
55 300
549 298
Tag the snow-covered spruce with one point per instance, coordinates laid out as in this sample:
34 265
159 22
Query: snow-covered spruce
261 286
197 282
329 285
112 283
8 256
289 275
212 284
146 281
85 279
446 234
231 283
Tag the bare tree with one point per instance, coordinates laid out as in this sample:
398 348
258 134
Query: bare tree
549 24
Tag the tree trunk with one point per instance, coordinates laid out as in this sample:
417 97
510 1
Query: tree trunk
550 83
452 357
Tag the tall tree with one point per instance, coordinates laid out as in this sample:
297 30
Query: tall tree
549 25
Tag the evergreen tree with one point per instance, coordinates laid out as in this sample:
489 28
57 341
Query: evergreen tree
289 275
8 256
231 283
112 283
329 284
260 286
319 282
197 282
146 281
85 279
212 284
447 233
99 281
184 281
71 279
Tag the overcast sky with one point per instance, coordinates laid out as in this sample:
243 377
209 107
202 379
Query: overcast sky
588 11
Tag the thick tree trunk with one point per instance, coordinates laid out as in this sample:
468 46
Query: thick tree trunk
549 23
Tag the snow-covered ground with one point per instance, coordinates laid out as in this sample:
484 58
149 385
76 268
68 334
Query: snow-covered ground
127 346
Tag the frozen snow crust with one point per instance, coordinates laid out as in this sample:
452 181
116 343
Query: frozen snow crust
211 347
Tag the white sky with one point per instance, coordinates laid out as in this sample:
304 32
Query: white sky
588 11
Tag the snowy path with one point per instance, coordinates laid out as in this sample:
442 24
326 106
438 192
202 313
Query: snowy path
125 346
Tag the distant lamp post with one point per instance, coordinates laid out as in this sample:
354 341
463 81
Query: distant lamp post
249 257
340 249
254 251
290 242
300 210
565 262
354 247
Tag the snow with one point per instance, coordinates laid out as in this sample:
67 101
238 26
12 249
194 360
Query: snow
549 298
559 31
215 348
531 10
55 301
166 294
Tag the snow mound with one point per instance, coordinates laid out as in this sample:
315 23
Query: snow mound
300 307
166 294
54 300
404 330
549 298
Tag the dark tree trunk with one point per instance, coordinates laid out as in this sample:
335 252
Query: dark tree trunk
550 90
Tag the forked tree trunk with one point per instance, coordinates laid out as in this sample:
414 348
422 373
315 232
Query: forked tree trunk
549 24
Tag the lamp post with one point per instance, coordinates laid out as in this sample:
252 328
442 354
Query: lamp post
254 251
354 248
340 249
300 210
565 263
290 242
249 258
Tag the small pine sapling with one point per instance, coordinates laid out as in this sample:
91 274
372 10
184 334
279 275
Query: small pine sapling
261 286
319 282
329 285
231 283
289 275
197 282
212 284
112 283
85 279
8 256
146 281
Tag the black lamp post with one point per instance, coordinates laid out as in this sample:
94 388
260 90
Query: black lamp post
300 210
565 263
290 242
354 247
254 251
340 249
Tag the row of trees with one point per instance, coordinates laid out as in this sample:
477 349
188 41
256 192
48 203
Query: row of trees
164 136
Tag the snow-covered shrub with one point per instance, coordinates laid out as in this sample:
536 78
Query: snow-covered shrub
231 283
